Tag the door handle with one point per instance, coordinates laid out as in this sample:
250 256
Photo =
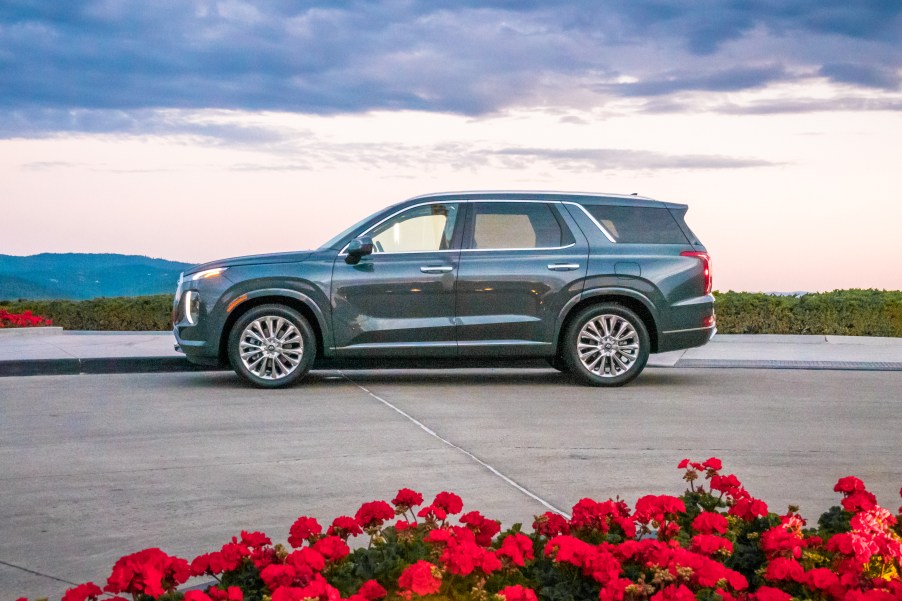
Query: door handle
563 266
436 269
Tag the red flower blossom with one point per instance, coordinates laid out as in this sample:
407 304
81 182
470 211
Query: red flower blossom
779 541
658 508
276 576
709 522
728 485
83 592
859 501
233 593
344 527
484 528
748 508
781 568
434 513
421 578
254 539
767 593
709 544
372 590
820 579
713 463
849 485
196 596
373 514
674 592
332 548
517 593
448 501
517 548
550 524
209 564
407 499
599 517
151 572
304 528
306 561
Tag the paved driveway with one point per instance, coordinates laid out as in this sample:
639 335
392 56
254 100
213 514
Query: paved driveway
93 467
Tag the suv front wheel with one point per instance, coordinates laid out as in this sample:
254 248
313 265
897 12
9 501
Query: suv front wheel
271 346
606 345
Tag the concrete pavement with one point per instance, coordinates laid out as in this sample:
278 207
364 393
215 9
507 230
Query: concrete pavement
52 351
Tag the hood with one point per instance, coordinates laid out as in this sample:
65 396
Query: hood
290 257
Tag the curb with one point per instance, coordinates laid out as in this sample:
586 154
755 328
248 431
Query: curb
74 367
38 331
807 365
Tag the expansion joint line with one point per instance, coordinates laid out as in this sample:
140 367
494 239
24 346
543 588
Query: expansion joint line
509 481
41 574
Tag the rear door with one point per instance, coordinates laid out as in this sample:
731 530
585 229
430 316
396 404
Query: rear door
521 262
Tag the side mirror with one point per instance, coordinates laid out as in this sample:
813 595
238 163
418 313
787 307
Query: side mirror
359 247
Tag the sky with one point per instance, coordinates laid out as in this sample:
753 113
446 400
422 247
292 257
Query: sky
195 130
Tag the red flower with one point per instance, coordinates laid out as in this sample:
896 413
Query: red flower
373 514
767 593
713 464
196 596
599 517
421 578
729 484
781 568
372 590
849 485
658 508
233 593
209 564
306 561
550 524
82 592
448 501
709 544
517 548
859 501
517 593
304 528
748 508
332 548
709 522
254 539
431 512
673 592
150 572
344 527
820 579
276 576
484 528
406 499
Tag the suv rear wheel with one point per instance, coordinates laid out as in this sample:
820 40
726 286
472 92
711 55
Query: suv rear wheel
606 345
271 346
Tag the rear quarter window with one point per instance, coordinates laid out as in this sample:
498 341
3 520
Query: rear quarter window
641 225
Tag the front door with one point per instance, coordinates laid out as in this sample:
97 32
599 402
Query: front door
520 264
399 301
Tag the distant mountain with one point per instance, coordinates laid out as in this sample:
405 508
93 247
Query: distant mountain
82 276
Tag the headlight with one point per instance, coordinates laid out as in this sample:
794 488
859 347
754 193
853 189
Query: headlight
208 273
192 306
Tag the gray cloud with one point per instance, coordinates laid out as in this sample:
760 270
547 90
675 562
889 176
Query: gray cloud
102 66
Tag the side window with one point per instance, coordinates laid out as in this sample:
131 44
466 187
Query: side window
420 229
643 225
500 225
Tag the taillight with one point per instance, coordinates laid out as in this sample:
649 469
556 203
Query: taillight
706 265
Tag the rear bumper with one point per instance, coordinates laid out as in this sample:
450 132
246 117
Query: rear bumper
682 339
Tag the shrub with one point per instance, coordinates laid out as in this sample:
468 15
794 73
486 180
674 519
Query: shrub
124 314
841 312
715 542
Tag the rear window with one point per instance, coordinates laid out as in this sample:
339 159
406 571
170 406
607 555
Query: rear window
643 225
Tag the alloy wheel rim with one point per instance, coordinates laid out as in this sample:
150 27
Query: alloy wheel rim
271 347
608 345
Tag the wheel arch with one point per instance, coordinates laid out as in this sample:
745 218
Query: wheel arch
290 298
632 300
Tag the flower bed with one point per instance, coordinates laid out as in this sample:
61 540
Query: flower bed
715 542
22 320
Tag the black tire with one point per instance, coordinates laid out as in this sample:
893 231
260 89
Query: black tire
283 336
622 343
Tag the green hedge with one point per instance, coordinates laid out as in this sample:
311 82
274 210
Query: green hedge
841 312
845 312
123 314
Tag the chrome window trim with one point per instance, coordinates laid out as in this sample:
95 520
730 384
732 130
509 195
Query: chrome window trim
343 252
604 231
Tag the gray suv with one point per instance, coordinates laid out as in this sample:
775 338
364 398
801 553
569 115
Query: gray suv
592 283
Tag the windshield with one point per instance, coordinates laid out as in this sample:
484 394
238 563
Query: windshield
335 241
